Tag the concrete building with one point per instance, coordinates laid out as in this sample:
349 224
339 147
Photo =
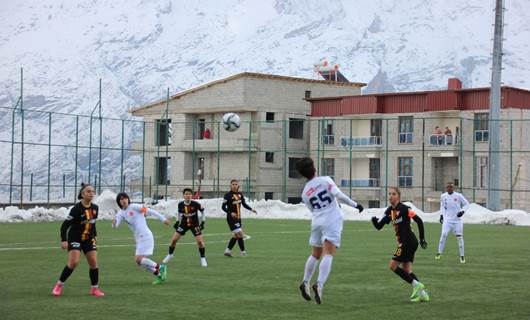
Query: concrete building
261 154
419 141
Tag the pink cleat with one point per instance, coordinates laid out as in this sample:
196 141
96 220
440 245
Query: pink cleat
57 289
96 292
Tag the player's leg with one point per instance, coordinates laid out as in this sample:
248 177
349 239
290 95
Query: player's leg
331 236
446 228
235 227
200 243
92 259
73 261
176 236
459 233
315 241
241 242
418 289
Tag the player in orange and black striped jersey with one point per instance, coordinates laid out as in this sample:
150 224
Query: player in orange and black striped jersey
78 233
188 211
400 216
232 203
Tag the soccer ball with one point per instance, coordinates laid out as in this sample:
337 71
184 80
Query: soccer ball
231 121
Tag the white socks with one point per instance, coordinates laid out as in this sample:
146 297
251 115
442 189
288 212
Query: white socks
167 258
460 245
324 269
310 267
148 264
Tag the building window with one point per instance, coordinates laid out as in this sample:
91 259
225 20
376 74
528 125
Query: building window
405 172
480 126
373 203
200 169
296 128
294 200
481 177
376 127
293 173
374 173
328 167
327 132
308 94
163 132
406 128
269 157
269 116
269 195
162 170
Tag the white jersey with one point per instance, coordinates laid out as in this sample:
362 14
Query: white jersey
320 196
134 215
451 204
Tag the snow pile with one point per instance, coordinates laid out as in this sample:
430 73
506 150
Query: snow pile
267 209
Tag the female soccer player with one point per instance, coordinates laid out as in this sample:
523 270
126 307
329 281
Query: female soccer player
188 220
320 195
232 203
81 228
401 263
135 217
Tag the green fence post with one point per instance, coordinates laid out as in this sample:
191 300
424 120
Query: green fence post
386 161
143 160
249 154
511 163
461 182
76 155
285 161
122 147
22 136
319 124
423 165
31 188
100 138
193 155
350 147
218 157
64 186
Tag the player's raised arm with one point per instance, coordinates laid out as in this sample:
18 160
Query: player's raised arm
379 224
335 191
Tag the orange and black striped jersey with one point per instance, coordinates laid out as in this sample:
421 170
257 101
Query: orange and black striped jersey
80 223
400 217
232 204
189 212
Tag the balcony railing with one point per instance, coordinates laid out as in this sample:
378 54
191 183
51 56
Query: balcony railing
405 137
481 135
443 140
360 141
404 181
360 183
328 139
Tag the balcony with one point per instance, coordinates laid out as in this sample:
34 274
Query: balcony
328 139
360 183
405 137
481 135
405 181
212 145
443 140
360 142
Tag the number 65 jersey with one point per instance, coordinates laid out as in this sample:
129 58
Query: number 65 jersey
320 195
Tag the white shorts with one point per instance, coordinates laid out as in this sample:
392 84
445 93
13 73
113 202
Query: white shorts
145 246
330 232
456 227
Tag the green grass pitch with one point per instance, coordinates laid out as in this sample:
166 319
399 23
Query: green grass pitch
493 284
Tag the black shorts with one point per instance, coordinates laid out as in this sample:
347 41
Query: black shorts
234 224
405 252
85 246
184 227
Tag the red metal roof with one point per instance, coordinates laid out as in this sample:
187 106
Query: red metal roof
413 102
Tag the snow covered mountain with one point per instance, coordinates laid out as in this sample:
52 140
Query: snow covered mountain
140 48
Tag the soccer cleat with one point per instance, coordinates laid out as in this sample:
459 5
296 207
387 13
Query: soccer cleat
462 259
167 258
228 253
243 253
57 289
203 262
415 299
424 296
317 289
304 290
416 289
96 292
163 272
437 256
157 280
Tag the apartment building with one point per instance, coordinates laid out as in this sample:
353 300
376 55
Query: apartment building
419 141
185 144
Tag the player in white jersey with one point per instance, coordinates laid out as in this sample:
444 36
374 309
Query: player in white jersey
452 208
320 195
135 217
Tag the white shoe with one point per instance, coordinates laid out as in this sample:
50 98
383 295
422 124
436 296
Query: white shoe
167 258
243 253
203 262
